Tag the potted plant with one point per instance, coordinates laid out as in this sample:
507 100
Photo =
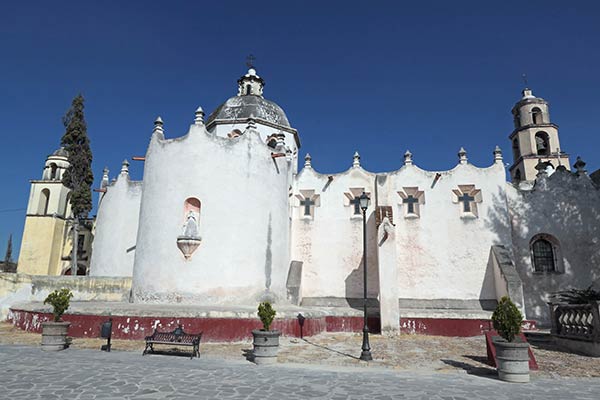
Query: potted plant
266 341
512 355
54 333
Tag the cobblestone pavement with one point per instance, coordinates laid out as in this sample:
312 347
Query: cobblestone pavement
29 373
406 352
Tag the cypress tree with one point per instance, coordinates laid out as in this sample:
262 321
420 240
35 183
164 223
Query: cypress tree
8 256
78 177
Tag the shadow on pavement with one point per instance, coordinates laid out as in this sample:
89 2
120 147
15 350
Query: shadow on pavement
486 372
332 350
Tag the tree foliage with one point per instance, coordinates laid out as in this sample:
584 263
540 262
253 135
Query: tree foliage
78 177
266 313
59 300
577 296
8 256
507 319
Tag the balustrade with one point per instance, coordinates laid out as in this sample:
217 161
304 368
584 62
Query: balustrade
576 321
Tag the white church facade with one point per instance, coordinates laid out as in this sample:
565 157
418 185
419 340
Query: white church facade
223 216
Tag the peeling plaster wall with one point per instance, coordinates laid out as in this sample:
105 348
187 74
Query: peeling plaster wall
440 255
113 248
19 288
331 244
566 206
243 221
444 254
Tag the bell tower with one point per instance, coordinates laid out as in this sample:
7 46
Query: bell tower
48 211
534 138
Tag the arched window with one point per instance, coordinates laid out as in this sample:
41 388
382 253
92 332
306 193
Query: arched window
544 253
248 89
515 148
542 144
536 116
53 171
44 200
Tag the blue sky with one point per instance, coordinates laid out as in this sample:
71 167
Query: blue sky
377 77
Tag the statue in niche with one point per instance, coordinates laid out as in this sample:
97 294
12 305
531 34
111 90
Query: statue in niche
190 228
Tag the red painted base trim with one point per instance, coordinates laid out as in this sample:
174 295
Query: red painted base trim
236 329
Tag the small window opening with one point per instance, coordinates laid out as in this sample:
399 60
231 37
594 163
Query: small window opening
53 171
515 148
536 115
248 89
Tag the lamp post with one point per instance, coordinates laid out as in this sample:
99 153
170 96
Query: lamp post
365 355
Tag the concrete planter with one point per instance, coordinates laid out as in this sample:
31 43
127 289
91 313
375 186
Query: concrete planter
513 361
266 345
54 335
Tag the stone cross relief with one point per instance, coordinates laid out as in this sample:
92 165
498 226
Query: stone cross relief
468 197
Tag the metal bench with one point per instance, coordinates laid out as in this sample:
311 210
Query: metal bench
177 338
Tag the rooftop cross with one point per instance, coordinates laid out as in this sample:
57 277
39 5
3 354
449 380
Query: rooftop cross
250 61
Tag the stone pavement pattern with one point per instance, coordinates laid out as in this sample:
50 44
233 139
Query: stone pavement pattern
29 373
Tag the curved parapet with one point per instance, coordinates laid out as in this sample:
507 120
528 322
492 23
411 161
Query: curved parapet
230 192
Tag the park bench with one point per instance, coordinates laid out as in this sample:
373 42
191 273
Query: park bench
176 338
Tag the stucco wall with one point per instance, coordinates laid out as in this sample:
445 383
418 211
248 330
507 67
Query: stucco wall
330 243
443 254
19 288
42 245
567 207
243 220
117 221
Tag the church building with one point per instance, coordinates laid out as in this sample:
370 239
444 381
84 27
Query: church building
223 216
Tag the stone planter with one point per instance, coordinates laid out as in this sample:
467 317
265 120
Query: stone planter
54 335
513 361
266 345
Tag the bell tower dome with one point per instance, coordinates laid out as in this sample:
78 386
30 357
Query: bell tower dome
534 139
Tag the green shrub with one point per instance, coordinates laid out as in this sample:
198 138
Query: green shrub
59 300
507 319
266 313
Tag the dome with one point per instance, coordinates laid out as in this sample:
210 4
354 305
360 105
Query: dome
60 153
240 108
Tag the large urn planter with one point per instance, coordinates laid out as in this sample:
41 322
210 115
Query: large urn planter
513 361
512 355
54 335
266 346
266 341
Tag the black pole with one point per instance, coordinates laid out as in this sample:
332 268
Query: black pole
365 355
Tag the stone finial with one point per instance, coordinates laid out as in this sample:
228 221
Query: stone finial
356 160
158 125
498 154
528 94
105 179
408 158
199 120
462 156
307 161
579 166
125 167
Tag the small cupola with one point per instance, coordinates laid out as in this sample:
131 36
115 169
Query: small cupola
251 84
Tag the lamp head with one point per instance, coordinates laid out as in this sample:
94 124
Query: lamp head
364 201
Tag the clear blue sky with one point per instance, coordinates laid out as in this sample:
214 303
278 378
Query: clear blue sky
377 77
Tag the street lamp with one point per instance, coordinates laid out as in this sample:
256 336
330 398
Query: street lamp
365 355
